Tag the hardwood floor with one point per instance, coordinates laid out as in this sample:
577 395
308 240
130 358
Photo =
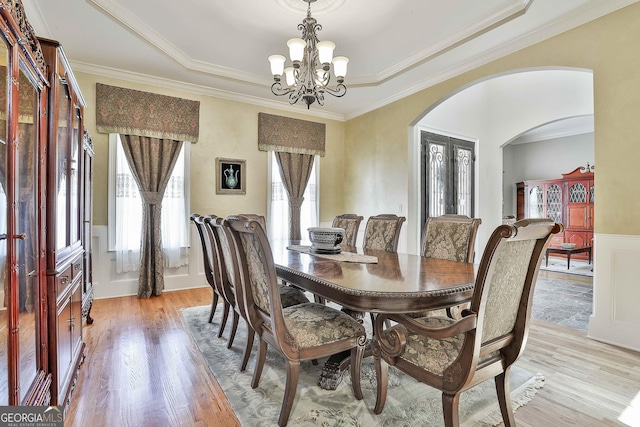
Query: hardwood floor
143 369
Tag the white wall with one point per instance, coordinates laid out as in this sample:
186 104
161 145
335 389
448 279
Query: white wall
546 159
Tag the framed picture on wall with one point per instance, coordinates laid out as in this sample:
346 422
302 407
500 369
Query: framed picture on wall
231 176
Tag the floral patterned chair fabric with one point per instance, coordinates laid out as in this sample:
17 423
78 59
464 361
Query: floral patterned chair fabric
450 237
382 233
229 270
301 332
455 355
350 223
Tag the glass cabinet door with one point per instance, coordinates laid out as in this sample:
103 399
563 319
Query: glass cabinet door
62 155
26 234
74 179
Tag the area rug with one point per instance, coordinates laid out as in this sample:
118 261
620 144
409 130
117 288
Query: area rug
409 403
579 267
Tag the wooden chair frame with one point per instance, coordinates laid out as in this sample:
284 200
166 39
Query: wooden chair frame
211 273
271 328
477 361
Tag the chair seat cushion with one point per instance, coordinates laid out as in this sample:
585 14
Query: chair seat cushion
291 296
314 324
431 354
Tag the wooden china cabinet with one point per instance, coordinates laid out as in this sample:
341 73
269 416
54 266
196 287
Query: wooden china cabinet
568 200
69 152
46 162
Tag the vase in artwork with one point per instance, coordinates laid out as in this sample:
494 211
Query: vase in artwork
231 177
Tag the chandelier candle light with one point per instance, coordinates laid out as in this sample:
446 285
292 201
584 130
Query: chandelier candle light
310 75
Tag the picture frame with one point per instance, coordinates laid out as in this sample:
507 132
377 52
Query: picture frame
231 176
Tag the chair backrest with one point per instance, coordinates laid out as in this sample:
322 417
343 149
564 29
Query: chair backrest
450 237
350 223
207 248
504 286
382 232
257 274
224 249
260 218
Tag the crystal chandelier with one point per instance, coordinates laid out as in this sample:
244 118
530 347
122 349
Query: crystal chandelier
309 77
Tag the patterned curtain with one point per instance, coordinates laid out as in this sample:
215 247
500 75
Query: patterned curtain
295 170
151 161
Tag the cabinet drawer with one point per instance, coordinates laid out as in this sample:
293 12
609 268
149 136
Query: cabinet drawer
63 280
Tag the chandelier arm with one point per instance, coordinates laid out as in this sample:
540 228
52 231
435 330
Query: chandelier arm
339 91
278 90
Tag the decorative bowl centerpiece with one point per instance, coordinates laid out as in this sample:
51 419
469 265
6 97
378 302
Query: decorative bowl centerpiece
326 240
568 245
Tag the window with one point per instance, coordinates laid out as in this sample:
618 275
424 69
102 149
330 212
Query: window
278 203
125 211
447 175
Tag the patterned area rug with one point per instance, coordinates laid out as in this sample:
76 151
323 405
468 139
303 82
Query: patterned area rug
409 403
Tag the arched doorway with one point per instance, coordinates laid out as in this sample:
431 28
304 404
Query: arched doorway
492 112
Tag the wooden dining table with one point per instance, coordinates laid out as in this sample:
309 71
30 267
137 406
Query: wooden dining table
396 283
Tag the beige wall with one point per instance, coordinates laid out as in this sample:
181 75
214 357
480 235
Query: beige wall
227 129
376 143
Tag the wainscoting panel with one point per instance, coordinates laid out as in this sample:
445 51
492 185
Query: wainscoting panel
616 291
109 284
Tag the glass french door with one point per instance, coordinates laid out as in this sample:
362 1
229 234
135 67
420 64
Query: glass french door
447 173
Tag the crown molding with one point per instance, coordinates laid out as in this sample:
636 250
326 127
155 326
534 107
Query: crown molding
138 26
532 136
199 90
559 26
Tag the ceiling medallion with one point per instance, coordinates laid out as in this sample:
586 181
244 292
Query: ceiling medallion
319 6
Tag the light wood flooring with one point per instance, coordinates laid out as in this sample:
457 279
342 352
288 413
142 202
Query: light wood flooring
143 369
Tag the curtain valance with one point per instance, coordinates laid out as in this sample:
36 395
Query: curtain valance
284 134
133 112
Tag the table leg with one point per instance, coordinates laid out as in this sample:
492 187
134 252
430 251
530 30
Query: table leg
546 258
568 260
335 367
590 255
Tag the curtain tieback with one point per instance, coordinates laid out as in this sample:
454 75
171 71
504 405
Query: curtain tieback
296 202
152 197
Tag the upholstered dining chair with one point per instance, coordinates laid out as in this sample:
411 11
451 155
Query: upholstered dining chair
228 271
350 223
455 355
262 220
209 256
450 237
299 333
383 232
